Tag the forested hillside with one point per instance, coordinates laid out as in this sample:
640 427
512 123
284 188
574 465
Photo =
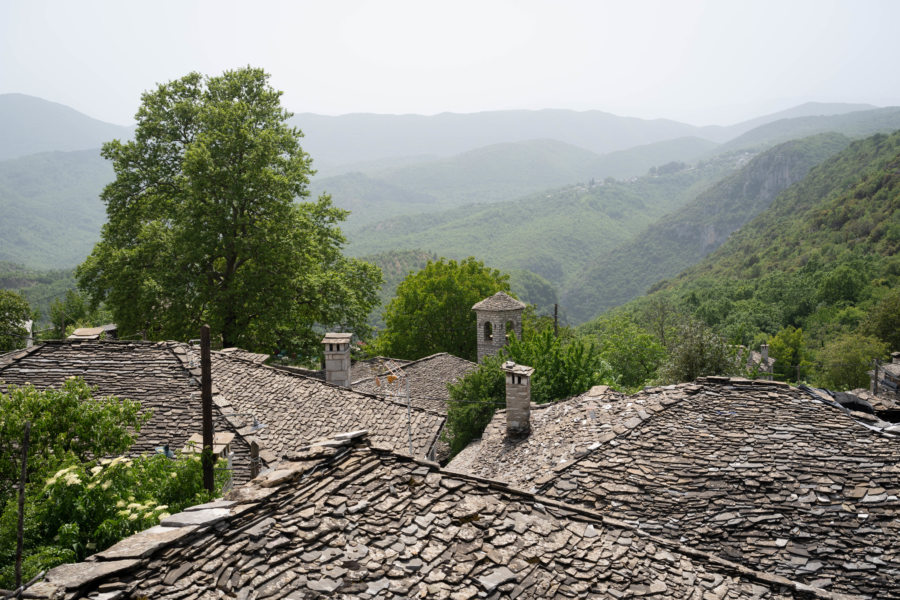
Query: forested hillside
51 208
552 233
854 124
682 238
496 173
817 275
31 125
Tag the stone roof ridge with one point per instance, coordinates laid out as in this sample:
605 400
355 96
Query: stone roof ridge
871 422
69 580
499 301
419 361
12 356
631 425
250 363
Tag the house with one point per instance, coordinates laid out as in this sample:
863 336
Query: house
775 478
276 410
885 378
346 519
425 380
151 373
297 410
104 332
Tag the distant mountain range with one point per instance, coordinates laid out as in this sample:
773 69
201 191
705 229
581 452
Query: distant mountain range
32 125
562 194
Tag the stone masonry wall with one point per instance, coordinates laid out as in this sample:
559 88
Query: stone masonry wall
498 321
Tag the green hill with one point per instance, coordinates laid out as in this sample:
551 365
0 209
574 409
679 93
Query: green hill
854 124
824 258
51 208
682 238
31 125
847 206
550 233
491 174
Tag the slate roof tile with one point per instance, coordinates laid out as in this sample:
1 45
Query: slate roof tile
773 477
150 373
427 380
351 521
298 410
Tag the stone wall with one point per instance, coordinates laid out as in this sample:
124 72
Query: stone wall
498 320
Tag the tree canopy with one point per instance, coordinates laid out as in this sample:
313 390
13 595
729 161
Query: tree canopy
203 224
14 312
76 501
432 311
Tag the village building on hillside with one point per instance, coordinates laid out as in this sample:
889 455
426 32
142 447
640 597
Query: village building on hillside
779 479
348 520
885 378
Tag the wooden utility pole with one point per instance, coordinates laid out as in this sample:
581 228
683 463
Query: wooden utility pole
20 529
556 320
207 458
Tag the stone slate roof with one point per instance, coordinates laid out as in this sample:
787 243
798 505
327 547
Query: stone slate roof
560 432
499 301
298 410
345 520
150 373
365 369
766 475
251 356
427 379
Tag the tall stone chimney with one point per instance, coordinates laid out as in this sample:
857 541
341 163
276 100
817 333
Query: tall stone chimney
337 358
518 399
497 318
895 358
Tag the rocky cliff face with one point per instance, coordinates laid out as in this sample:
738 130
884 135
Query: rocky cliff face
681 239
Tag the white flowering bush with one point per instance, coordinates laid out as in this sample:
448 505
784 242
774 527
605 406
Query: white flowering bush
77 504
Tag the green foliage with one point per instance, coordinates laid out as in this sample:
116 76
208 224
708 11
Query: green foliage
822 259
432 311
883 320
83 508
74 311
203 226
395 266
788 350
697 351
683 237
77 504
40 288
533 289
632 352
563 368
67 421
50 206
473 401
14 312
846 360
550 233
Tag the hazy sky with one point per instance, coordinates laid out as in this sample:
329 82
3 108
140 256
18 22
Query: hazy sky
704 62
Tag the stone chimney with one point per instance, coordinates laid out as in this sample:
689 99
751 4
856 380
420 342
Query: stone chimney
337 358
764 350
518 399
497 318
895 358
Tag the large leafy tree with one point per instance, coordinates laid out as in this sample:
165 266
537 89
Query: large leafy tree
204 226
432 311
14 312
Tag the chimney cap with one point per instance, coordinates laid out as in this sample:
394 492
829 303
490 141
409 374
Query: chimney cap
337 338
511 367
